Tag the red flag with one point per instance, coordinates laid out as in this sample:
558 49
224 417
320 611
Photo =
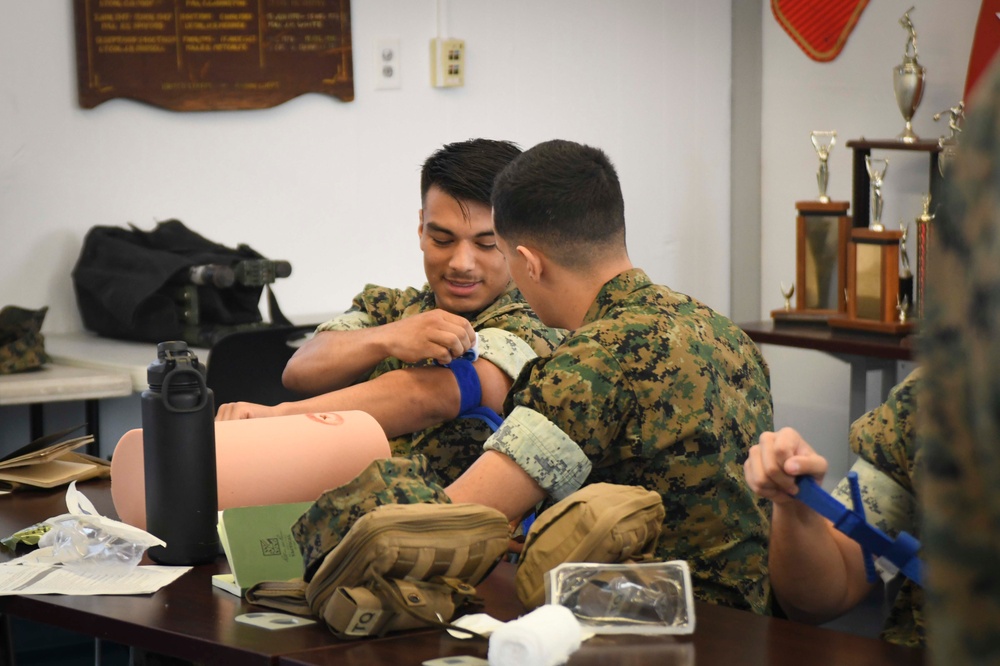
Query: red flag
819 27
984 44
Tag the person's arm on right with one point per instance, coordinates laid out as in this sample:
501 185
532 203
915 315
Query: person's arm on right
817 572
335 359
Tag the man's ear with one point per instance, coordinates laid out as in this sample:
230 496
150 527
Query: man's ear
420 227
534 262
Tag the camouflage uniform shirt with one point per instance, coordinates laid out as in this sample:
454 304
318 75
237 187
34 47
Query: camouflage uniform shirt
888 462
960 343
509 335
659 391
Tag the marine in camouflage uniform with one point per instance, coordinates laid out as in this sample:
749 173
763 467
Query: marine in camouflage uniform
391 481
888 468
509 335
961 425
655 390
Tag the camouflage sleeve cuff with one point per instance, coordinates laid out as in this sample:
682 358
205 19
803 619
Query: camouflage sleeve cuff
888 506
543 450
504 350
351 320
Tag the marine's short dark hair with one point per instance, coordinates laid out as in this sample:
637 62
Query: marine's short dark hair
565 197
466 170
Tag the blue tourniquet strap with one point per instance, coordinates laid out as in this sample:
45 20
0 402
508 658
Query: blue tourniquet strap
486 414
900 552
472 394
468 384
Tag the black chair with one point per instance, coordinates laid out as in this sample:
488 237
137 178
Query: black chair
246 366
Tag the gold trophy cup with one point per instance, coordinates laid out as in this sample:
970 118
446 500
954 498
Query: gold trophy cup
908 80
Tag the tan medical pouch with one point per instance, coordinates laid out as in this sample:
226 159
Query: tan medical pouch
400 566
602 523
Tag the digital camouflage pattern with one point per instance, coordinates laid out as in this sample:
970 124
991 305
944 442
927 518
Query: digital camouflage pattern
450 447
961 424
889 470
660 391
22 345
391 481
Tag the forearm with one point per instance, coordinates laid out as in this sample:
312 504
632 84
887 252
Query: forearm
498 482
817 573
402 401
332 360
407 400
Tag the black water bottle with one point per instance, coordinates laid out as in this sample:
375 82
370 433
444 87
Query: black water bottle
178 442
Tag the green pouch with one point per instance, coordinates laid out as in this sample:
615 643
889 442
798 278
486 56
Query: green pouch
22 346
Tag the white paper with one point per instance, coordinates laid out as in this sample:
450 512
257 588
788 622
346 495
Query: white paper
481 623
41 571
28 578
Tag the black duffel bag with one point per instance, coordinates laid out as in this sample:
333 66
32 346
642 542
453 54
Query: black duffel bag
171 284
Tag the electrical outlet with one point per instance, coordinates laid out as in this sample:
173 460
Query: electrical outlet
387 63
447 62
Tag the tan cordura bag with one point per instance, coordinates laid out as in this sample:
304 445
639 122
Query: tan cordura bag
603 523
397 566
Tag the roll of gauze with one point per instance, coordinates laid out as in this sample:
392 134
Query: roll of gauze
264 461
546 636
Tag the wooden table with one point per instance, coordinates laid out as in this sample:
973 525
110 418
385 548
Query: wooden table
864 352
54 382
190 619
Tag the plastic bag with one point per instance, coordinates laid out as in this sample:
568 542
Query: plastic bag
88 543
649 598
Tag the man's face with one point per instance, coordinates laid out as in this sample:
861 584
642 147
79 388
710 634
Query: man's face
463 266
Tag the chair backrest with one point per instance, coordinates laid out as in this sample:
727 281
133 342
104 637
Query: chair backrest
246 366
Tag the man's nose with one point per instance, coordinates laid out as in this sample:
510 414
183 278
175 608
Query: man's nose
463 258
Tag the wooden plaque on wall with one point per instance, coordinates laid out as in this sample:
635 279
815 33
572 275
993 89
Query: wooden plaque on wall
201 55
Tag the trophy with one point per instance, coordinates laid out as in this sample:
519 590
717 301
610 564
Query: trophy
956 116
903 308
823 142
905 273
787 292
923 240
908 80
876 172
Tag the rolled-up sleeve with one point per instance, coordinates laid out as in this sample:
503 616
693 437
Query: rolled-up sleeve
504 350
888 506
542 450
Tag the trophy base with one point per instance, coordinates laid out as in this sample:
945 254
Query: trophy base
815 317
896 328
907 135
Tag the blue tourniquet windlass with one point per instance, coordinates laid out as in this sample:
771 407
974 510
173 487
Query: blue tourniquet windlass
899 554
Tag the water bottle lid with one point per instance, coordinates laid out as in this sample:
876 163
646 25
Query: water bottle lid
170 355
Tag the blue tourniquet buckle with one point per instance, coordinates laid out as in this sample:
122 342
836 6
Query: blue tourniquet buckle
899 554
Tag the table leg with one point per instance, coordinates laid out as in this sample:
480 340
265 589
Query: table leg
860 365
93 413
36 420
889 371
6 642
859 388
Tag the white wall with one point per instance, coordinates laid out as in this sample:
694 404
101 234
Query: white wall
852 95
333 186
